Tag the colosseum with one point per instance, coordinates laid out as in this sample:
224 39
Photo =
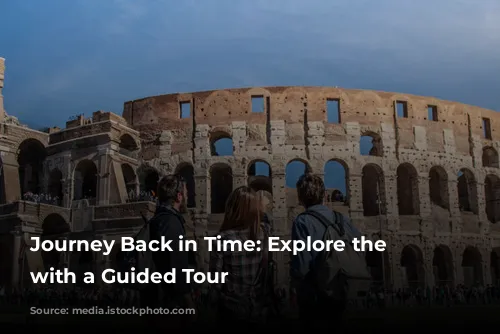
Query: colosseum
418 172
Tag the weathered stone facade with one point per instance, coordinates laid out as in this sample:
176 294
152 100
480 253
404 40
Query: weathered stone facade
429 186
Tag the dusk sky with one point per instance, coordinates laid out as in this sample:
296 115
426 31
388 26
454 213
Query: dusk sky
70 57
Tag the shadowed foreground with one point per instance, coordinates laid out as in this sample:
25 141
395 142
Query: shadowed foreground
366 321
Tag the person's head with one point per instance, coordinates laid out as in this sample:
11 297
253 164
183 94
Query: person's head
243 210
310 190
172 191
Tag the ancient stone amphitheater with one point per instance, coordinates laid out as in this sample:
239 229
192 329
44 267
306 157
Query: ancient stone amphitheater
428 185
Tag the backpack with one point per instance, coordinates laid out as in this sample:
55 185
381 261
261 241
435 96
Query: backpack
340 276
140 260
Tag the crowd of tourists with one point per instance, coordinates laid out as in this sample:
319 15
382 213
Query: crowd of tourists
41 198
142 196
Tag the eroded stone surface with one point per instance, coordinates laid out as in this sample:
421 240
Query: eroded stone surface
419 210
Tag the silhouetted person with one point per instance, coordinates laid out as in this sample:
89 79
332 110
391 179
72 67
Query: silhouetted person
169 223
315 311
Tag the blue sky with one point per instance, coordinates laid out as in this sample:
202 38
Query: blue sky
69 57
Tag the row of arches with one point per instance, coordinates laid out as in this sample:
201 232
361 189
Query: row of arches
373 186
370 144
444 269
31 155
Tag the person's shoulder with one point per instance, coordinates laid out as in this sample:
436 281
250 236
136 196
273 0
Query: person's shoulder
300 219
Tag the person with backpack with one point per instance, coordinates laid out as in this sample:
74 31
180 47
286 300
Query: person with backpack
323 281
169 223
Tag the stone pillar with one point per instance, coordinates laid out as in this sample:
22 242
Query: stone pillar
428 253
398 272
356 199
424 195
103 182
239 175
458 252
202 188
391 196
484 224
456 216
15 260
280 213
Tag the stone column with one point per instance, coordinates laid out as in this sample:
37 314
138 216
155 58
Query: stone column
486 263
280 214
456 216
484 224
356 199
391 198
398 272
428 253
202 187
103 178
15 260
458 257
239 175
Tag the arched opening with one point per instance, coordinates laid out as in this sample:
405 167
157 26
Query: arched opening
337 181
186 171
370 143
467 193
55 186
221 185
380 268
31 155
442 263
492 198
408 194
221 144
490 157
495 266
413 265
472 263
294 170
85 180
148 180
53 227
373 185
130 180
260 177
438 187
127 143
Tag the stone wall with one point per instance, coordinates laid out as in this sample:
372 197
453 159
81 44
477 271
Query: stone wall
417 163
428 186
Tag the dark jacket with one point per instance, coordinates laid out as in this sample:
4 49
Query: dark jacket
169 223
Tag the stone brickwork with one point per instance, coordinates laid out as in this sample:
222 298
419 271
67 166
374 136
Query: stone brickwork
429 186
416 157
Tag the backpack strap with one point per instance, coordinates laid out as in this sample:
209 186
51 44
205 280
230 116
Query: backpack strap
146 221
337 224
